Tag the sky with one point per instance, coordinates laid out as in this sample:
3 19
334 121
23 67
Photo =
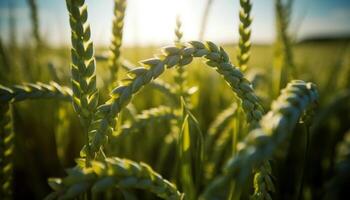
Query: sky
151 22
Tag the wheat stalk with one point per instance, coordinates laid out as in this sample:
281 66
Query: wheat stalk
5 63
6 151
117 37
35 21
15 94
112 173
261 143
181 75
104 119
218 152
85 93
283 60
12 27
244 34
34 91
218 126
204 20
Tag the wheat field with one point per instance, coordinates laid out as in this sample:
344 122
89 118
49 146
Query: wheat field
190 120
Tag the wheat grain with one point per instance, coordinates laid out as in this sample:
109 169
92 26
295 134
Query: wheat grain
112 173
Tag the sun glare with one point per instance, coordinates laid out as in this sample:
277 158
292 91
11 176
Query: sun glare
155 18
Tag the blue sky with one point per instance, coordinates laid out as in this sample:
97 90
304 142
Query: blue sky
152 21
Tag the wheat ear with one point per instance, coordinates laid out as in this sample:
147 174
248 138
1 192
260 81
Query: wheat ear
244 34
283 59
112 173
163 87
261 143
6 151
35 21
104 119
85 93
181 74
34 91
117 37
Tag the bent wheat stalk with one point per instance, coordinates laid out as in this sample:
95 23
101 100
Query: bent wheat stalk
112 173
261 143
34 91
158 84
104 119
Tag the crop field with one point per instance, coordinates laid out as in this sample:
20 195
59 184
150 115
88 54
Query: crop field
188 120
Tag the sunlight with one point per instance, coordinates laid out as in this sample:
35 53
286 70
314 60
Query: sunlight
153 19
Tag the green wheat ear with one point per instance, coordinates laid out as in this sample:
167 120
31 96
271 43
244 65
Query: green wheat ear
6 151
262 142
284 66
112 173
117 37
34 91
85 93
244 43
217 58
35 21
181 75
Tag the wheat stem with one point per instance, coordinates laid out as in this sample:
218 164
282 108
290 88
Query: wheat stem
218 126
204 21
